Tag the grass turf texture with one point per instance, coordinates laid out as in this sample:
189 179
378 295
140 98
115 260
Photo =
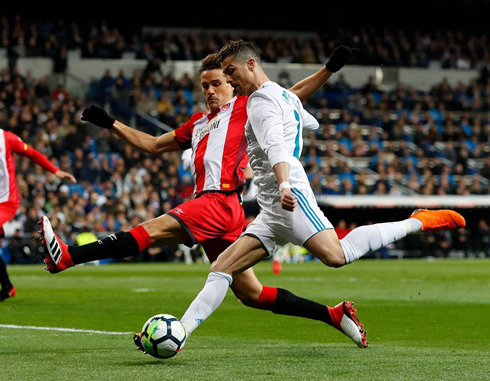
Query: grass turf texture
425 321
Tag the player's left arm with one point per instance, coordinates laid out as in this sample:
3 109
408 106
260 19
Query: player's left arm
307 87
37 157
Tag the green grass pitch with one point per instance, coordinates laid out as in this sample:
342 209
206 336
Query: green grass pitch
426 320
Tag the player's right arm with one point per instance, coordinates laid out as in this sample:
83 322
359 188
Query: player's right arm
288 200
267 124
145 142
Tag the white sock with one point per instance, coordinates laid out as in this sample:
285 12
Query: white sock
369 238
207 301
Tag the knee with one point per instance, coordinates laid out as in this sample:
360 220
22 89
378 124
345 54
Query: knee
333 258
213 266
216 267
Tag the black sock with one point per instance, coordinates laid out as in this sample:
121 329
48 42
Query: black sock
4 277
289 304
119 245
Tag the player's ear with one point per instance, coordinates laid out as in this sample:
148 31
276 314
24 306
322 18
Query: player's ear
251 64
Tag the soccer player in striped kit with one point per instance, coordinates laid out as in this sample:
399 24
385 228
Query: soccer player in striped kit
289 211
9 194
215 217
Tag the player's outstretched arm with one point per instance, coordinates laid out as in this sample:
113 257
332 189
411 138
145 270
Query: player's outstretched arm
21 148
307 87
145 142
65 175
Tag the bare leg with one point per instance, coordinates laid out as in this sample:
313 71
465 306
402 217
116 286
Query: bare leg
247 288
326 247
165 230
243 254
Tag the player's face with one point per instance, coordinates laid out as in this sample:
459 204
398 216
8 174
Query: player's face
238 76
215 88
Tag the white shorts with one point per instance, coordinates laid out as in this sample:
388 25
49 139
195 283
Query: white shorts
275 227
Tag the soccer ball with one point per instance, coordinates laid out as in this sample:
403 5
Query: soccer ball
163 336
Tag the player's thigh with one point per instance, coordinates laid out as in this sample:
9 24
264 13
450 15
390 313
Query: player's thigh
240 256
325 246
247 287
166 230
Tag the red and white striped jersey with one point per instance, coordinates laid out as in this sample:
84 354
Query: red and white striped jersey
10 143
218 146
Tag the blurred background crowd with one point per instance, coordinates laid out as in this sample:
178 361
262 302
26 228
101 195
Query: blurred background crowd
417 47
370 141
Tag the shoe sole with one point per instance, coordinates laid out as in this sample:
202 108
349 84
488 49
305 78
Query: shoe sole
51 244
351 326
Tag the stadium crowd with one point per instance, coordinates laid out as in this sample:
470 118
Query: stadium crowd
417 47
370 141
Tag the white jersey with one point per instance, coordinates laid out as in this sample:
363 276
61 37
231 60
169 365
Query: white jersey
274 132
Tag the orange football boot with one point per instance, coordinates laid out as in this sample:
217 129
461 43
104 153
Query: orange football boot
442 219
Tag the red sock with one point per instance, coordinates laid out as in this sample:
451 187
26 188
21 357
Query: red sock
336 313
141 236
267 298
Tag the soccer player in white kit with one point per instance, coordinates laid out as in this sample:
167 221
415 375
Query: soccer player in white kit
289 211
274 136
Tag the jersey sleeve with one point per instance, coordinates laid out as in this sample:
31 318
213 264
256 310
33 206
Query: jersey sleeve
266 121
309 121
183 134
18 146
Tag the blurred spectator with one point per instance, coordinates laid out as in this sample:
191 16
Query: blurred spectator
341 229
60 64
482 237
106 84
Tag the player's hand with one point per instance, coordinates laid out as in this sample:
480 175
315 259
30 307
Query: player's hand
339 57
288 200
98 116
65 175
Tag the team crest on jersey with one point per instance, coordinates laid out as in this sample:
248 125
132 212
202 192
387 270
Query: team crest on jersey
225 107
202 132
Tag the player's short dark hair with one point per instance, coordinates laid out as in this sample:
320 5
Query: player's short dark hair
240 50
210 62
